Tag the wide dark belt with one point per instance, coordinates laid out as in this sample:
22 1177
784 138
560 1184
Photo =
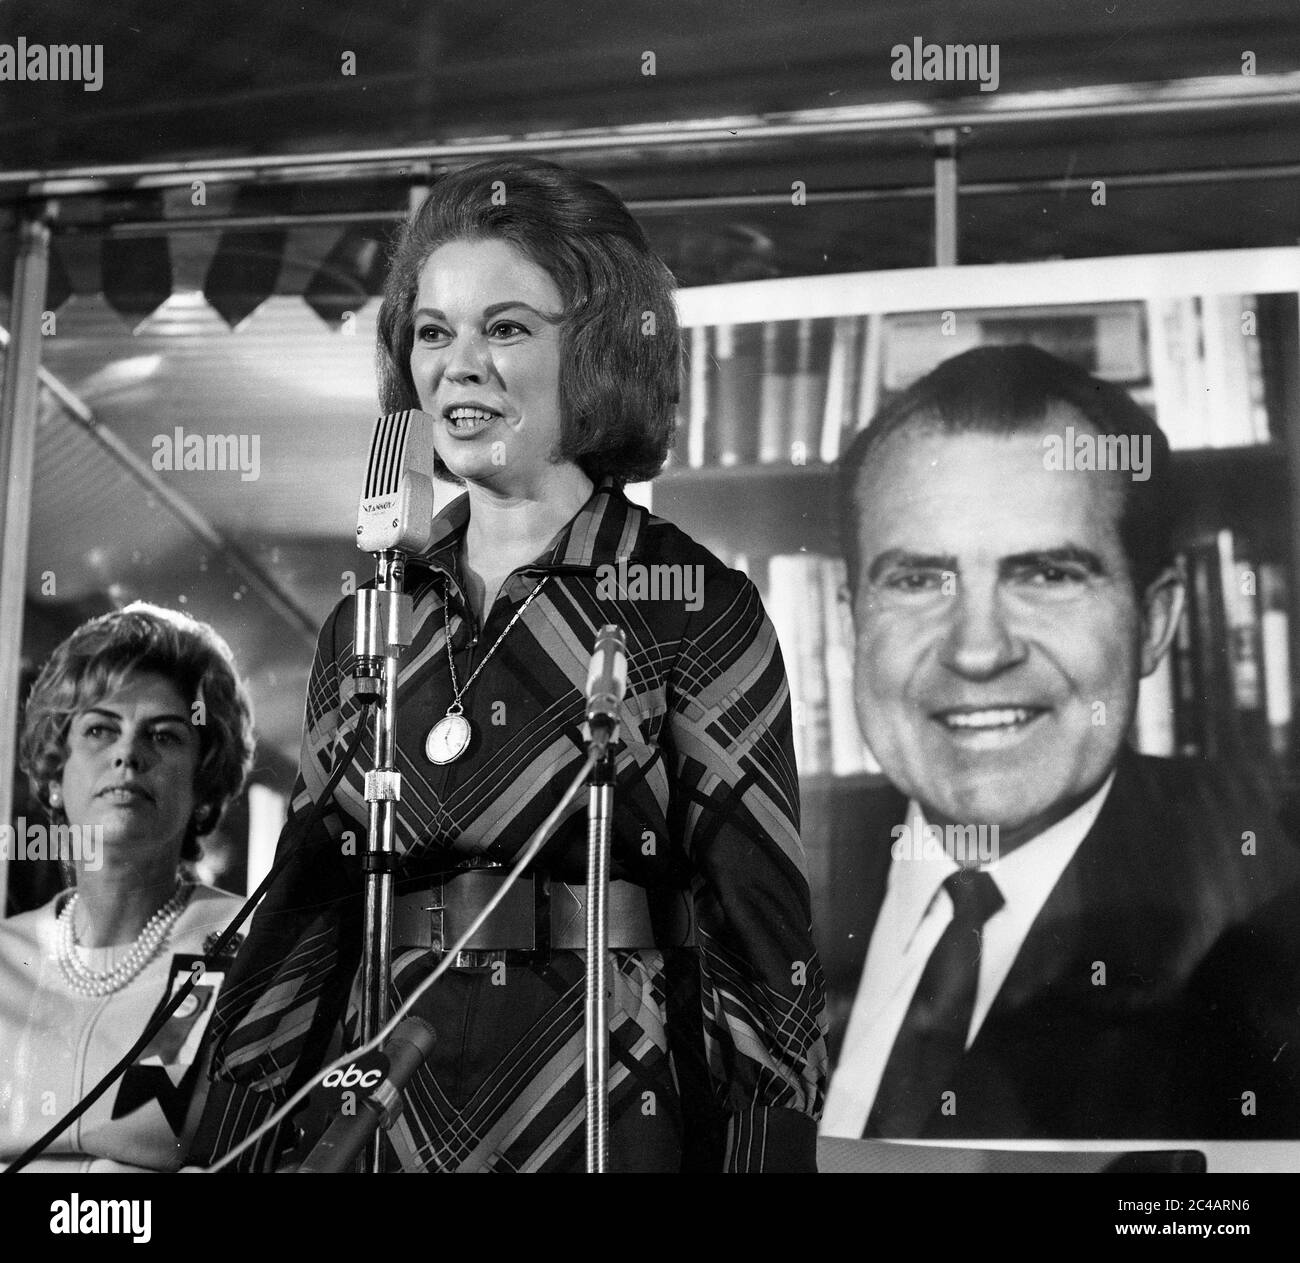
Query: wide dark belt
537 915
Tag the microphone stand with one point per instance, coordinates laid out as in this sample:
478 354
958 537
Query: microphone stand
600 815
383 630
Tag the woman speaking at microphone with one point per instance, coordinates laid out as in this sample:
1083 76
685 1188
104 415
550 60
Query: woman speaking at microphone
525 311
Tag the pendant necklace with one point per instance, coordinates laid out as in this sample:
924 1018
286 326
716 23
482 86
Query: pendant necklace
449 737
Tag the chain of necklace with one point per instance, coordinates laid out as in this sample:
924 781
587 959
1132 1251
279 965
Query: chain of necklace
449 737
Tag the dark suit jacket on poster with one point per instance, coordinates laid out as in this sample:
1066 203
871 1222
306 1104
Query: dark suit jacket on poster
1196 939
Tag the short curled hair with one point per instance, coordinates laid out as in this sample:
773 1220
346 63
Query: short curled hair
1006 390
98 658
620 341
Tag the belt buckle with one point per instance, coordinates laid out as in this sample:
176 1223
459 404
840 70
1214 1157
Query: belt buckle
470 957
478 958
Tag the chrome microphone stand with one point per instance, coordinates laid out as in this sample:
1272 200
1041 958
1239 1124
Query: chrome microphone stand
394 520
383 630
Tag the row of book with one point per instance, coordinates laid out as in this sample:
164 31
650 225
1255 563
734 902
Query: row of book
1207 376
794 392
784 392
1224 691
806 599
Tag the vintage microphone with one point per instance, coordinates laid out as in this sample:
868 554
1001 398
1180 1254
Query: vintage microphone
606 687
395 519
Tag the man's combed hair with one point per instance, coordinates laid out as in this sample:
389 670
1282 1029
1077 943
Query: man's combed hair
1006 390
98 658
620 342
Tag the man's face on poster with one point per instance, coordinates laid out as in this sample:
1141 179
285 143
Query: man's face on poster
999 638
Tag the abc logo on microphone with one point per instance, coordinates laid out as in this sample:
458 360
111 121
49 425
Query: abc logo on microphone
362 1075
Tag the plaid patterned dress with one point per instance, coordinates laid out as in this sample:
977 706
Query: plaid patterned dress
717 1057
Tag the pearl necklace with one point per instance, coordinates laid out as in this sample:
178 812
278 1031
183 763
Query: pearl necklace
86 981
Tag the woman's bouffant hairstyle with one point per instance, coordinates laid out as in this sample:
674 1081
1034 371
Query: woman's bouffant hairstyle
620 343
98 658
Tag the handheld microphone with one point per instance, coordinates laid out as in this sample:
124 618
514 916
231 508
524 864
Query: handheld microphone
606 682
407 1049
396 510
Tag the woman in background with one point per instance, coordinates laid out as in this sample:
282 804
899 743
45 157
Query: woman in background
525 311
136 735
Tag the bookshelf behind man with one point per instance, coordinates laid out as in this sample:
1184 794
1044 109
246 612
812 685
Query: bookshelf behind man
784 372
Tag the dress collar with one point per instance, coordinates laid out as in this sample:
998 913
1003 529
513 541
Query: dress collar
606 529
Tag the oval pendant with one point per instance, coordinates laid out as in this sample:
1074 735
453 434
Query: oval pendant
447 739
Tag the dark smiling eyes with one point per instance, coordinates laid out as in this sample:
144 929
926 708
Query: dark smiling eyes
1041 576
498 330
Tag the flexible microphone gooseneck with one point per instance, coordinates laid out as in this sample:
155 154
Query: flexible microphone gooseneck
606 688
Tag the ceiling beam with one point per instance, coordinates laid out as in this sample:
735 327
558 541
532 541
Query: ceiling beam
1213 96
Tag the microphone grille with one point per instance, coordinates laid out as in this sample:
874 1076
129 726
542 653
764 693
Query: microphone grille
387 447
